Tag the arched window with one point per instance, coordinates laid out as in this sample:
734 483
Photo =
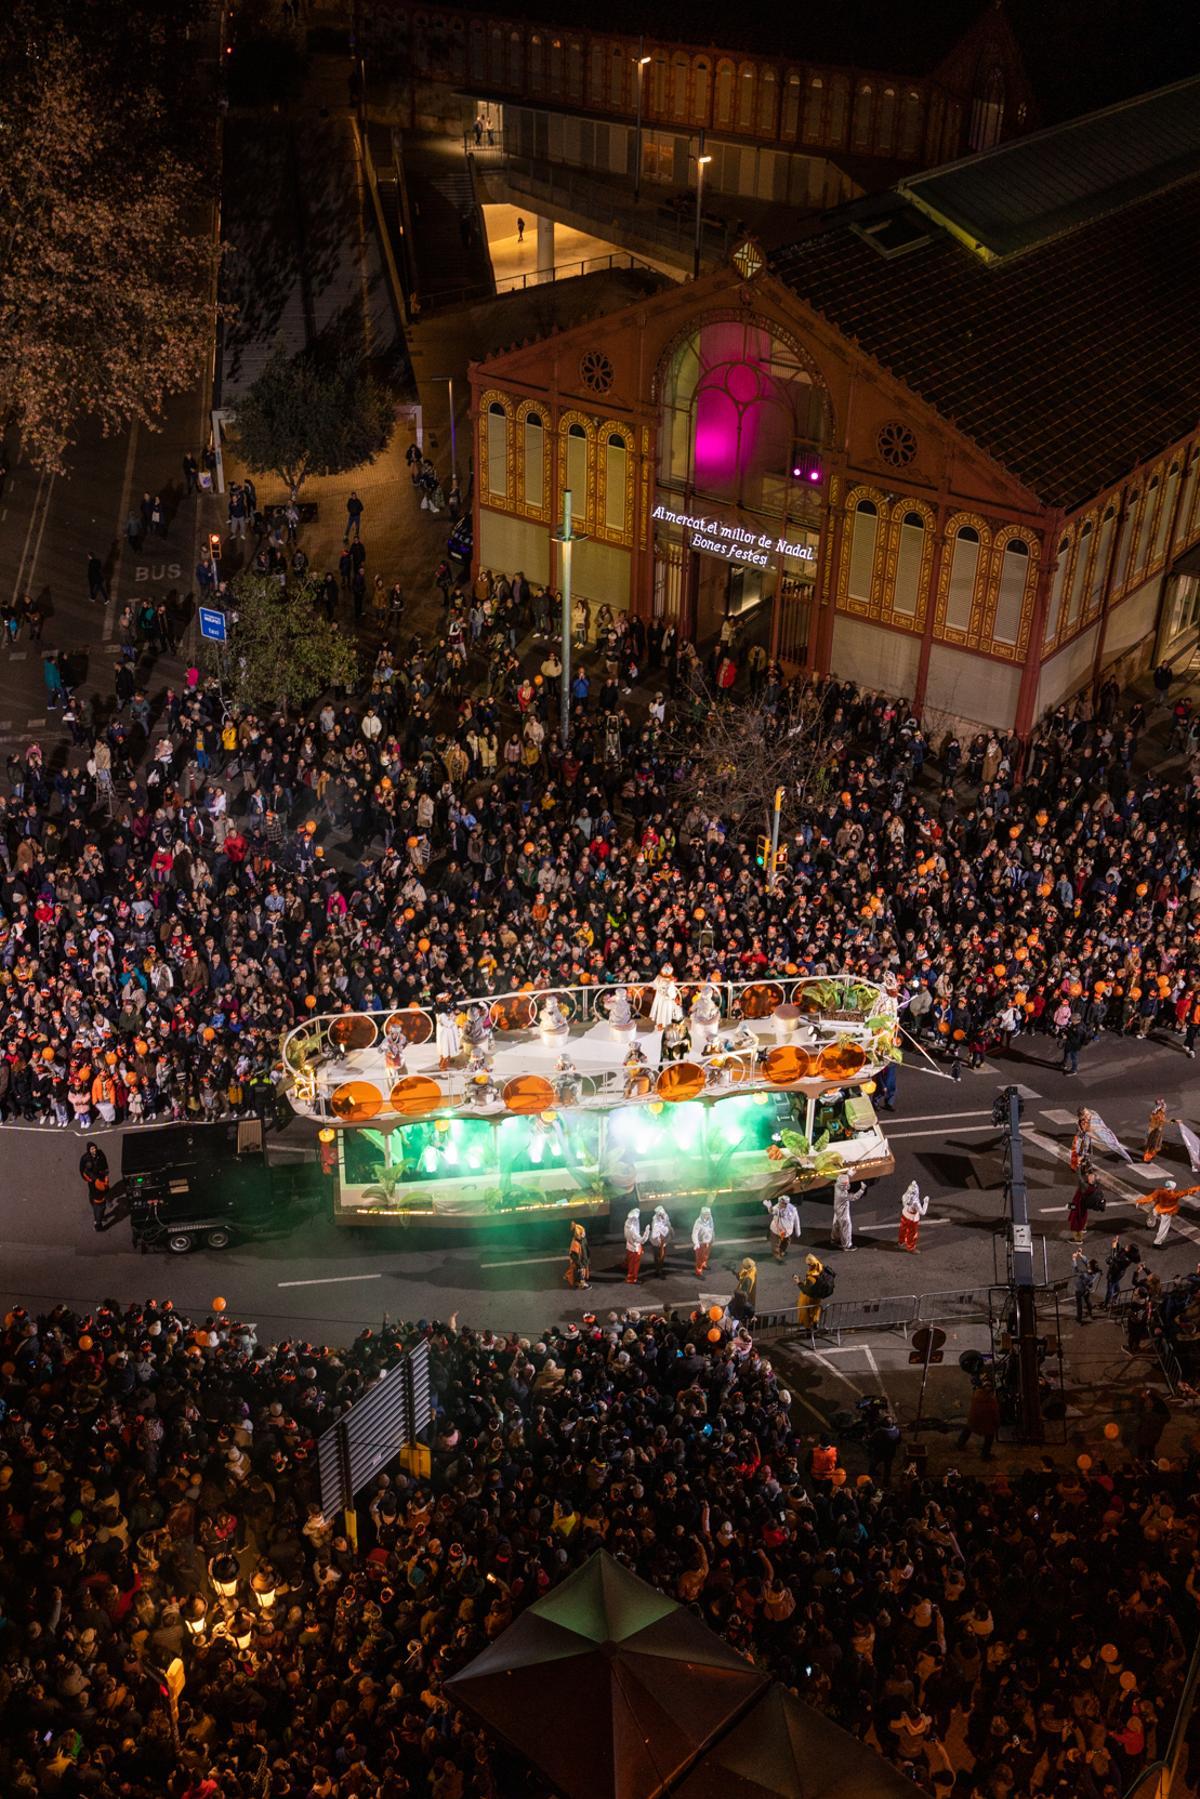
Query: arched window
516 61
910 553
1079 574
660 71
620 73
577 469
556 86
477 51
596 61
537 64
987 110
737 403
1056 589
725 81
1183 525
1141 554
814 104
1166 513
535 443
575 71
745 105
701 90
863 98
912 118
863 538
615 454
1010 594
497 451
886 134
790 125
1124 566
839 106
964 570
496 55
768 89
679 86
1095 586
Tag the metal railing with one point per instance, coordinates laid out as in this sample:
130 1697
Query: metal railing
571 270
669 225
1159 1779
318 1053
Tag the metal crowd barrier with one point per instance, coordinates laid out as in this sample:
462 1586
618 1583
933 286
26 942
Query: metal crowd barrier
895 1312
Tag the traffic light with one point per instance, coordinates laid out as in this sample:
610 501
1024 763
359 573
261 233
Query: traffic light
763 852
329 1156
214 545
781 856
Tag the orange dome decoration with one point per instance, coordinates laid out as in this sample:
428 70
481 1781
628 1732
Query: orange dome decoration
528 1094
414 1025
680 1081
788 1062
415 1096
355 1030
761 1000
355 1102
841 1061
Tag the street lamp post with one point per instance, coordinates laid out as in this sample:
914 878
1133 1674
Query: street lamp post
702 162
566 539
449 380
639 63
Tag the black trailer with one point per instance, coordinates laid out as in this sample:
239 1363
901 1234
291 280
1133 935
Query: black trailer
207 1186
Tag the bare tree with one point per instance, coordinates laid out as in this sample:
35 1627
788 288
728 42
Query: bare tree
736 755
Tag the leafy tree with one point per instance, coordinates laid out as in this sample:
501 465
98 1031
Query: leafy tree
105 282
306 415
282 651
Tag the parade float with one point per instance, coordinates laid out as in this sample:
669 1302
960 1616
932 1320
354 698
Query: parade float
541 1103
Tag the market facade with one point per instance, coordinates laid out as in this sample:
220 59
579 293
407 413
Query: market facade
931 441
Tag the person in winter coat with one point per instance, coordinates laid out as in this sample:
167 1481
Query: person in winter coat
912 1209
983 1418
703 1234
842 1229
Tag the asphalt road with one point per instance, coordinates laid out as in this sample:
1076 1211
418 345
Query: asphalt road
323 1280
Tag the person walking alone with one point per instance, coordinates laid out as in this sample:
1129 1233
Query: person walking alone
703 1235
93 1167
1085 1272
97 585
354 512
912 1209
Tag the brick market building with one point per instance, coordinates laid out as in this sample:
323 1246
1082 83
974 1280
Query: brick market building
945 442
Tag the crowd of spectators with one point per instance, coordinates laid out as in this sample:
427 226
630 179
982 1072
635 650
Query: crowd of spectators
175 893
1020 1635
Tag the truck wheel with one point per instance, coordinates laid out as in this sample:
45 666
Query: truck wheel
218 1239
178 1245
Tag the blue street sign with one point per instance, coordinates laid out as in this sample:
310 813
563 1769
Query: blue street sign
212 624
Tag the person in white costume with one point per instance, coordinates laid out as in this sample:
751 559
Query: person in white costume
705 1020
703 1235
665 1008
660 1239
448 1035
783 1225
635 1238
842 1230
912 1209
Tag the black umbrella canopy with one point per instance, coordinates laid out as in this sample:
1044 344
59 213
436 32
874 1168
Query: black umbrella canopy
607 1686
782 1749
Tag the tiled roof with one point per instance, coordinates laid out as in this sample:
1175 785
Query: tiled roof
1070 364
1021 194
